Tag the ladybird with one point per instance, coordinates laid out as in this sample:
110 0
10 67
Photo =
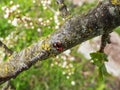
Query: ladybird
58 46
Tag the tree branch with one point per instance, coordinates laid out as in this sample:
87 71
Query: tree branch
103 18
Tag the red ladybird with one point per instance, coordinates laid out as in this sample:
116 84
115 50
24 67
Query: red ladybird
58 46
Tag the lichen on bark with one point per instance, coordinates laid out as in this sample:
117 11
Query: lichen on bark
115 2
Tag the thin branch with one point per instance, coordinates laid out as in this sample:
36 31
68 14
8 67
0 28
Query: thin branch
105 39
62 8
7 50
103 18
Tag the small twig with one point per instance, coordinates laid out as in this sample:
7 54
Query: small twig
7 50
51 9
62 8
105 39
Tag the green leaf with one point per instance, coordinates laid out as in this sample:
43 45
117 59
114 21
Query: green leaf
98 59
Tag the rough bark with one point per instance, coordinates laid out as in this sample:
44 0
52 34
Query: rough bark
77 29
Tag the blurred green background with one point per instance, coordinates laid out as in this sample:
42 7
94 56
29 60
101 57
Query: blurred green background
24 22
